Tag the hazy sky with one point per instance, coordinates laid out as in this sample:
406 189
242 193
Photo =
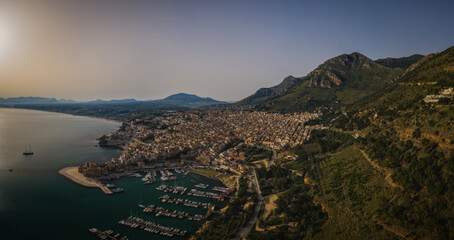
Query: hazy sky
146 49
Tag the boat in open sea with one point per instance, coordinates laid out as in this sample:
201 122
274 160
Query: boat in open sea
28 150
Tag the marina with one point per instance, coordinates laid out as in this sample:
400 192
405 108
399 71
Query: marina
149 226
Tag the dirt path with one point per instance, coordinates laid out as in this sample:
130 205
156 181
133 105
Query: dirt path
385 171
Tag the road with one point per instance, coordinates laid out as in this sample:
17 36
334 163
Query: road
273 157
243 232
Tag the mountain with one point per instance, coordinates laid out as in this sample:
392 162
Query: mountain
403 62
187 100
383 167
32 100
339 81
407 131
119 101
266 93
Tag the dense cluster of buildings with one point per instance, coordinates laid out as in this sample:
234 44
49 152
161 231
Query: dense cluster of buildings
203 135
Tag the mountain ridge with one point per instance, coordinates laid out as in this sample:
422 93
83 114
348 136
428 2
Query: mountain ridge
338 81
264 94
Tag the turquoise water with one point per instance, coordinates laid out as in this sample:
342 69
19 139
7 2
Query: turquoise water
38 203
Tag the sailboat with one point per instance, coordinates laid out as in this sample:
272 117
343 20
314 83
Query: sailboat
28 150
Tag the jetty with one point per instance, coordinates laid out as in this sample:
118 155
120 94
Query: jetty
222 189
185 202
192 192
106 190
160 211
135 222
201 185
107 235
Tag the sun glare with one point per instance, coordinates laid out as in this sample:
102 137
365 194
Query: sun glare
6 37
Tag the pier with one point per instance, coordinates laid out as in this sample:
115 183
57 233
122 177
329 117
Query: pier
107 235
106 190
192 192
135 222
175 214
185 202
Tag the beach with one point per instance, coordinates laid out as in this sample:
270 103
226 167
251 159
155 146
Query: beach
73 174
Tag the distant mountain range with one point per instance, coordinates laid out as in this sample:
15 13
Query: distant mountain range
180 99
33 100
188 100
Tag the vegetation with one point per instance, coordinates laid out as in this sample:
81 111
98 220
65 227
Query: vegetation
412 142
264 94
339 81
274 180
403 62
296 215
254 153
226 225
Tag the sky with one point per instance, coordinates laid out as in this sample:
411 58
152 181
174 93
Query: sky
149 49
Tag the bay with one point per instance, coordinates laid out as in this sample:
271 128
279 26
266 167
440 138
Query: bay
38 203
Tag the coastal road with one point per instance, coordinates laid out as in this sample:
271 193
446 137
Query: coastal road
243 232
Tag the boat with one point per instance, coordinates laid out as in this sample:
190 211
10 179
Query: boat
201 185
93 230
137 175
109 185
117 190
28 150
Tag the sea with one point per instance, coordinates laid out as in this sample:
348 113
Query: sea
38 203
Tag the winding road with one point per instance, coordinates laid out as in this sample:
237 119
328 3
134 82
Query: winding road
243 232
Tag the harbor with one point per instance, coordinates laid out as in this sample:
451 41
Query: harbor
182 204
192 187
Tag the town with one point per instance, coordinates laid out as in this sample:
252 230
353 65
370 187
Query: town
207 138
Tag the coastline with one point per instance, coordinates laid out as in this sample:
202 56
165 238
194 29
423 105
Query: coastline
93 117
72 173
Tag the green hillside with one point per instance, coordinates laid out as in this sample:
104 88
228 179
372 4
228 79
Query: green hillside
403 62
383 170
339 81
413 141
264 94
